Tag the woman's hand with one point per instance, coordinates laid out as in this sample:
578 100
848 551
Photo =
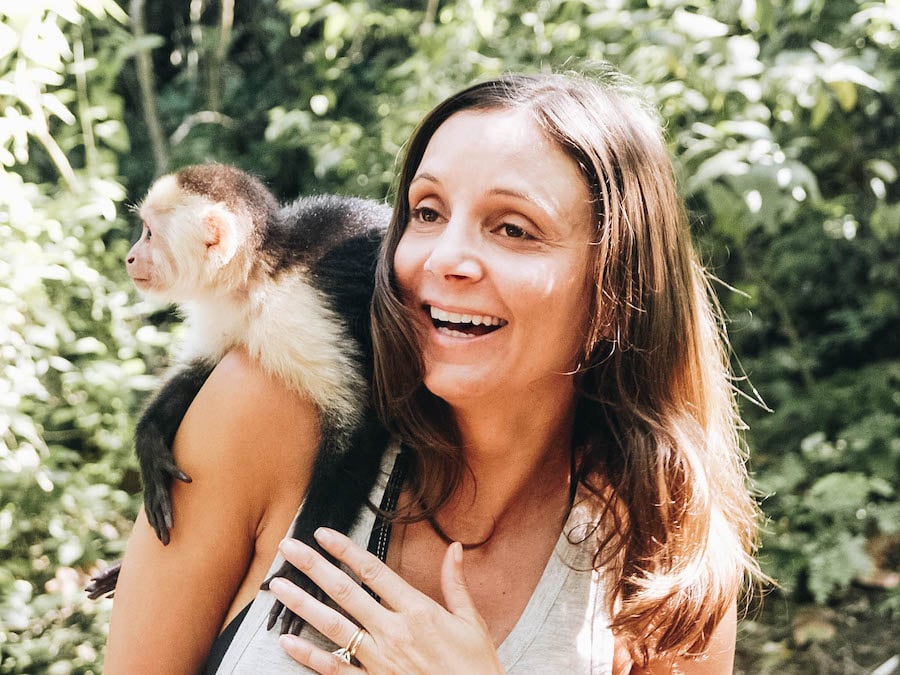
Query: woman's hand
411 633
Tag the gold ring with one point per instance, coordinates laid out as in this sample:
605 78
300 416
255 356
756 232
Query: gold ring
345 654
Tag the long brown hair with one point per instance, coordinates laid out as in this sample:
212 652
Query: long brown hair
656 422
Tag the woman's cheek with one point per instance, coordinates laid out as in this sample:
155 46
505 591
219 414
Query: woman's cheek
406 265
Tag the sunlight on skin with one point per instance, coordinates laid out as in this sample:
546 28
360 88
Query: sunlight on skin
500 225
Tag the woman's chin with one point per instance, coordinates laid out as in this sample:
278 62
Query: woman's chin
459 385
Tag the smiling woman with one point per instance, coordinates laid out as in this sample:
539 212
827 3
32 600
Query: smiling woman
564 492
500 226
549 354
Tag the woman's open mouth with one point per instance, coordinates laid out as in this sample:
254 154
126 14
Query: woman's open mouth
464 325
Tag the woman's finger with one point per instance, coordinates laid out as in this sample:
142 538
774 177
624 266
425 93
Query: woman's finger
346 592
371 571
453 584
329 622
320 660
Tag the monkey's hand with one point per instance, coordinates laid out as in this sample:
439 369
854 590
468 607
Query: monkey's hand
104 582
290 622
158 469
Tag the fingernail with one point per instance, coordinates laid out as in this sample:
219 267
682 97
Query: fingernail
323 535
457 552
278 585
291 545
289 642
298 552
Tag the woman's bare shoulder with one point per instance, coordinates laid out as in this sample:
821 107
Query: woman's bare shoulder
244 418
248 443
240 385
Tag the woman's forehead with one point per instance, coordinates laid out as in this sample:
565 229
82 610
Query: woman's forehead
504 153
509 142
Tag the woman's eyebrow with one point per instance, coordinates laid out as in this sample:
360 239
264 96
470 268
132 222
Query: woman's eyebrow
545 205
425 176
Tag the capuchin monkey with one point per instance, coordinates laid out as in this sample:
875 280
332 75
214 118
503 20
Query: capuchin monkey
292 285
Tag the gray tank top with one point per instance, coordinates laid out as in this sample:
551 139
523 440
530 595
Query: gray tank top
563 629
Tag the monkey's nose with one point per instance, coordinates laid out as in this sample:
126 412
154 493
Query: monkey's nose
129 259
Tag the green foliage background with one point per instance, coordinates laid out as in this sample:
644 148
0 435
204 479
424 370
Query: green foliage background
782 117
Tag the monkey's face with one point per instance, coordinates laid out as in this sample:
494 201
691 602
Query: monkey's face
186 243
144 263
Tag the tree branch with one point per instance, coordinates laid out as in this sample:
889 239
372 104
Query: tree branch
216 71
147 81
427 26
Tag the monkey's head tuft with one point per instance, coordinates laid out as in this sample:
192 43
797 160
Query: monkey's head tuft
236 189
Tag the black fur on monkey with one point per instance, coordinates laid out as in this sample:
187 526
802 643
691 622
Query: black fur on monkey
292 285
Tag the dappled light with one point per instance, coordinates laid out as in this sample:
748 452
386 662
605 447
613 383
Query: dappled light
782 121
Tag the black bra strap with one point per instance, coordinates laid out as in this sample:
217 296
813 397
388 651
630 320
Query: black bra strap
380 536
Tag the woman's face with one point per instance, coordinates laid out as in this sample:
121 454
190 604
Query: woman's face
495 258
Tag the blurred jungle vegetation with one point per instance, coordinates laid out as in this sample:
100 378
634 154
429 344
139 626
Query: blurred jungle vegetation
782 118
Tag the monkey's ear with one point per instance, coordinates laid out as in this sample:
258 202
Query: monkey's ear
221 235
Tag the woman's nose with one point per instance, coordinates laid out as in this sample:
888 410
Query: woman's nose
455 253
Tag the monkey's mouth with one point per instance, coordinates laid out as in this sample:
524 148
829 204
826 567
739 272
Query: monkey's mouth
464 325
141 283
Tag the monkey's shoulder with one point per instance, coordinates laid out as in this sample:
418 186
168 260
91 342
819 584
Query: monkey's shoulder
353 213
306 230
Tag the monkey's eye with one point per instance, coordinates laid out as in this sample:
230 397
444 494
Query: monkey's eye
148 233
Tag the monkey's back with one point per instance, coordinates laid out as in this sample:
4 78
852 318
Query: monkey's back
306 230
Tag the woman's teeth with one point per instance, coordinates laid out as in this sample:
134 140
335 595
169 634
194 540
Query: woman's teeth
455 333
464 325
474 319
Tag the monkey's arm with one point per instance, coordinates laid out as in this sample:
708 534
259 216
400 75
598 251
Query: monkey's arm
248 443
342 478
153 438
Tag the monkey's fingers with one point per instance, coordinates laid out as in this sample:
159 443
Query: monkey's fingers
274 613
104 582
172 469
162 529
291 623
182 476
158 509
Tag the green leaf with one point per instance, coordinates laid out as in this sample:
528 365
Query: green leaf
835 564
820 112
845 92
838 492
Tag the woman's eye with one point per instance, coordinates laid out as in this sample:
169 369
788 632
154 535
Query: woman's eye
425 214
514 231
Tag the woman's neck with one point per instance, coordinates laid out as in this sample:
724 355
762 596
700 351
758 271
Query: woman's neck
518 460
533 421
